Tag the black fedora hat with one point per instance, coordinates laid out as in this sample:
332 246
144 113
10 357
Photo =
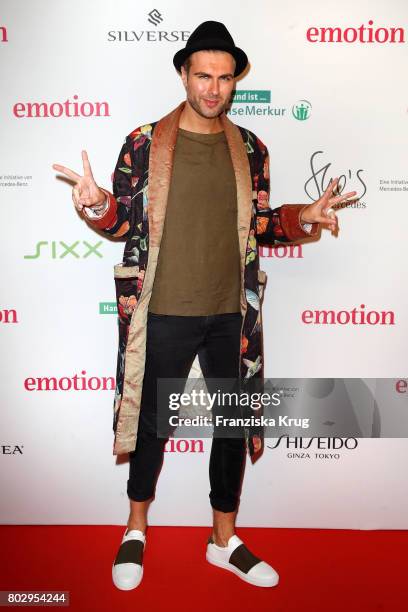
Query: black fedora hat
211 35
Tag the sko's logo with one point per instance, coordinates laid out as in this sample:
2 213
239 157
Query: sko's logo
80 249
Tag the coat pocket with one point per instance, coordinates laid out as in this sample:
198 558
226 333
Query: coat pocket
261 283
127 283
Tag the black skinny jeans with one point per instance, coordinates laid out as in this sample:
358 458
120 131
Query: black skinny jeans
171 347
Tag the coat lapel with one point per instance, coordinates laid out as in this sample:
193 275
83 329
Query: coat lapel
160 171
243 179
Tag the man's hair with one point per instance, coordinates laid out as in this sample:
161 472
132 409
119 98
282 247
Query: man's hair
187 63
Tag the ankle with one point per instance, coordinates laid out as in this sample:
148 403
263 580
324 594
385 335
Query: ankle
137 524
221 539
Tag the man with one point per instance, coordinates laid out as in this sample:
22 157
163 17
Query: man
190 195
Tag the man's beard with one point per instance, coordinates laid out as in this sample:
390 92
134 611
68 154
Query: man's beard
211 113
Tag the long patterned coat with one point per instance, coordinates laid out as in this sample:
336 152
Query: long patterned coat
136 212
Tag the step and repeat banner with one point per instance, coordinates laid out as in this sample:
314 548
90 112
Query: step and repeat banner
327 93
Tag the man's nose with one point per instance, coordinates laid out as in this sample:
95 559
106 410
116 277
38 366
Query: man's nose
215 87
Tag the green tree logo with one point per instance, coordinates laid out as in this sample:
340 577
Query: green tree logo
301 110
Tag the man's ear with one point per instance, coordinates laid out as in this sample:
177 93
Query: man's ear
184 76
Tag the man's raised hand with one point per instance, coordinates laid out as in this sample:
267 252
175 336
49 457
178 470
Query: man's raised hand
85 191
321 210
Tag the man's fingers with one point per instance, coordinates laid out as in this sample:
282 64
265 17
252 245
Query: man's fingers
87 202
81 201
69 173
87 165
330 220
342 197
331 186
76 199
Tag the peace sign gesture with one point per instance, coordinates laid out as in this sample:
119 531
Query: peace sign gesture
321 210
85 191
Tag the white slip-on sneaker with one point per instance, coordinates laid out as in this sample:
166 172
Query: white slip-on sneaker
236 558
127 569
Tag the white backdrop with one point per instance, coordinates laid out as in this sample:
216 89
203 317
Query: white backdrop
56 463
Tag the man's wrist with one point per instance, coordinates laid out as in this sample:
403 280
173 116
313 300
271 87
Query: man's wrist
307 227
95 212
302 215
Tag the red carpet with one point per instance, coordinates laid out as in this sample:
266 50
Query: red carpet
320 570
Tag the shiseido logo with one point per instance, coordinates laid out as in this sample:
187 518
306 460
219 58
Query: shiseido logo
362 34
320 443
181 445
68 108
3 34
301 448
282 251
80 249
81 382
356 316
317 183
8 316
11 449
154 17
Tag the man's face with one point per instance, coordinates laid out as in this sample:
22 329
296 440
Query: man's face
210 82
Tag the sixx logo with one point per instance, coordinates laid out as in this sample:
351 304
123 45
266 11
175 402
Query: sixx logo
301 448
317 183
248 99
154 17
42 110
80 249
181 445
3 34
12 449
8 316
362 34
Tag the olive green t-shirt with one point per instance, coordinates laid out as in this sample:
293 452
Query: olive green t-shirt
198 269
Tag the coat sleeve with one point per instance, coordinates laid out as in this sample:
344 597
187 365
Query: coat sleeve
280 224
115 220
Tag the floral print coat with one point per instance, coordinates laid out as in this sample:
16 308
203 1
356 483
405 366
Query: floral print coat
136 212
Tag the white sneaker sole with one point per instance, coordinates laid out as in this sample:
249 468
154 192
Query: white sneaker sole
129 585
251 580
